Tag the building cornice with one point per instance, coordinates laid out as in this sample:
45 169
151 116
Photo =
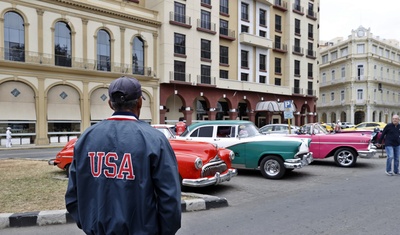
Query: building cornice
95 9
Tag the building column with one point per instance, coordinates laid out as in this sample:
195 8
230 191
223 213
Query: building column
233 114
85 107
162 115
211 115
252 116
187 115
41 108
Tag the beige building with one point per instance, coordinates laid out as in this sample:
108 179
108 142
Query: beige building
58 57
359 78
295 32
218 59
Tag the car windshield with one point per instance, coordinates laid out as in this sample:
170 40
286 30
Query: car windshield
248 130
313 129
166 132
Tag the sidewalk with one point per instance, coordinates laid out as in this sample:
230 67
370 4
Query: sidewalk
33 146
41 218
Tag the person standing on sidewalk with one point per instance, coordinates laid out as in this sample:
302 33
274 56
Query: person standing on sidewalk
8 137
180 127
124 175
391 136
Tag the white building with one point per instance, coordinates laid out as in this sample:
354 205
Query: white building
359 78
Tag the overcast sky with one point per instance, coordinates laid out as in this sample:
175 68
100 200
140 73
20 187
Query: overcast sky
339 17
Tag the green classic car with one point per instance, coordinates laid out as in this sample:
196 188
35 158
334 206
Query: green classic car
272 155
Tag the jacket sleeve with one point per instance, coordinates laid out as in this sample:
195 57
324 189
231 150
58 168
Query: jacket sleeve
167 186
383 135
71 197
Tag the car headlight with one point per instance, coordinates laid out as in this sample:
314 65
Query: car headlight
231 155
198 163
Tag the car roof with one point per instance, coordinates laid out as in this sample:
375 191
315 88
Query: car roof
219 122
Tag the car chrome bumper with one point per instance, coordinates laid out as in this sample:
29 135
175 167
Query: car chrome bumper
216 179
52 162
298 163
367 154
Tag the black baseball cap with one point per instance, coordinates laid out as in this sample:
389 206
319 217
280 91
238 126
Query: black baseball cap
124 89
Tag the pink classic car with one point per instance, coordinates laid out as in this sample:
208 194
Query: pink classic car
344 147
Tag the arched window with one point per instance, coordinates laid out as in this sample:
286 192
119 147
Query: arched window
62 44
138 56
14 37
103 51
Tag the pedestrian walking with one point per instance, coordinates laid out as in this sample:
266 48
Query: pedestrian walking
390 135
124 176
8 137
338 126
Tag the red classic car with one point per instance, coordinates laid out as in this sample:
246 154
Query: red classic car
200 164
344 147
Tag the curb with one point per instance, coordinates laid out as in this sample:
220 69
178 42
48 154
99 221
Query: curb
42 218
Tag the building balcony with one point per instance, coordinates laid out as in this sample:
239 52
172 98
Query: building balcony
311 54
178 77
227 34
180 20
205 80
206 26
253 40
298 9
298 50
311 92
68 62
234 84
297 91
280 5
311 14
279 47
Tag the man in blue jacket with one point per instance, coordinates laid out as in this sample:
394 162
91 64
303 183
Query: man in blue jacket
391 135
124 176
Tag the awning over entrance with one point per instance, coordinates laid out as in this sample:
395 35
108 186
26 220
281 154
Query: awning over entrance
273 106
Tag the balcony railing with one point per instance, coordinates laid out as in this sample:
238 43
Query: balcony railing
311 53
297 90
280 47
297 8
280 4
298 50
179 19
227 33
206 26
179 76
32 57
311 14
311 92
204 79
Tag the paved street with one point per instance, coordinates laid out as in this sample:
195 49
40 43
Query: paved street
319 199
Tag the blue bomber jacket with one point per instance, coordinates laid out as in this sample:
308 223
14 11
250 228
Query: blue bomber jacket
124 180
391 135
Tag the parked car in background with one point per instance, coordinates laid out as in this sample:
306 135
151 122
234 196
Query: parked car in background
328 127
272 155
367 126
345 125
278 128
344 147
200 164
166 129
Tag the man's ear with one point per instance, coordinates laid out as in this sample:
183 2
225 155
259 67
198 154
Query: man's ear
109 104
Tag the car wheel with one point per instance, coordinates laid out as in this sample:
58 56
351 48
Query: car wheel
272 167
345 157
67 169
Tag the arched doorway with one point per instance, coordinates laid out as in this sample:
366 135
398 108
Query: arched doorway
359 117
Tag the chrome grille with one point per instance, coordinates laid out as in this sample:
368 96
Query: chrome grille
212 168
